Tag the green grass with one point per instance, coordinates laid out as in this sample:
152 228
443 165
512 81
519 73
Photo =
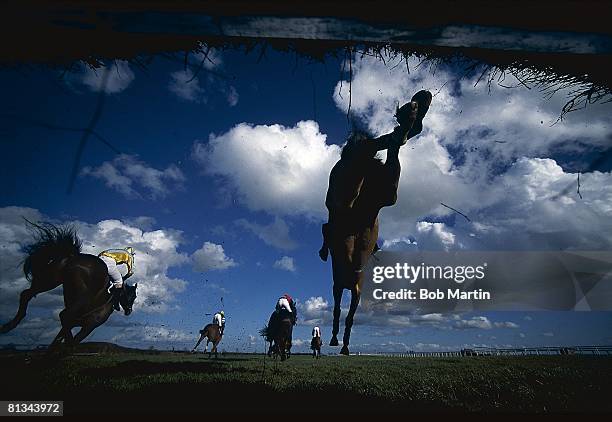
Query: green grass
184 382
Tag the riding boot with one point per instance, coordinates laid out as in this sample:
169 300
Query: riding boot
116 294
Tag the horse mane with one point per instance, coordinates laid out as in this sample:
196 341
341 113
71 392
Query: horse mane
51 243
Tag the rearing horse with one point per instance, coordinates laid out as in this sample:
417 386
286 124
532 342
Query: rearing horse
360 185
54 259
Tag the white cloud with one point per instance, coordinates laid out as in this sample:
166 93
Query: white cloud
285 263
184 84
129 175
480 322
277 169
315 310
298 342
548 334
506 324
434 236
211 257
275 234
119 77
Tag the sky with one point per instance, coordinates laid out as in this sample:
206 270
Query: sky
217 176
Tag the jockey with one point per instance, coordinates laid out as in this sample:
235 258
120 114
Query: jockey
316 332
286 302
219 319
112 258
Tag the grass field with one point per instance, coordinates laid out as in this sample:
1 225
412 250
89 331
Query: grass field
139 381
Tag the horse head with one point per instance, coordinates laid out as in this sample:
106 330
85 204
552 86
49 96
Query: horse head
127 298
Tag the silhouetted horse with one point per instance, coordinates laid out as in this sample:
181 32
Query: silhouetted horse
315 345
278 333
54 259
212 333
360 185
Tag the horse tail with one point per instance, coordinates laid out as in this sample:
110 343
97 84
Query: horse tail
266 333
51 245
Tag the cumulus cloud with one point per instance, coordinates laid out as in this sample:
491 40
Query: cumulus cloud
285 263
275 234
211 257
119 77
281 170
481 322
315 311
134 178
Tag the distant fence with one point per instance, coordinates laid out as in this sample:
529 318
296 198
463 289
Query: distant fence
520 351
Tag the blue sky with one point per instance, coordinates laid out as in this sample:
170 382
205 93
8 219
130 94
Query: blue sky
221 181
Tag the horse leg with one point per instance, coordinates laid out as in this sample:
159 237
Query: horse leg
58 338
24 298
70 315
355 296
198 343
336 327
90 324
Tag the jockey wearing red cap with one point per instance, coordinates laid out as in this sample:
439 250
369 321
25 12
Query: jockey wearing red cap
286 302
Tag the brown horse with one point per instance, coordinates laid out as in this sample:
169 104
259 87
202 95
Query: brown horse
212 333
55 259
315 345
360 185
278 333
282 338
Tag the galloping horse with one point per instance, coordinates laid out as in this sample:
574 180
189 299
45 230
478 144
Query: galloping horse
360 185
212 333
282 338
55 259
278 333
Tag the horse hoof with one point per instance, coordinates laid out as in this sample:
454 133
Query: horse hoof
345 350
333 341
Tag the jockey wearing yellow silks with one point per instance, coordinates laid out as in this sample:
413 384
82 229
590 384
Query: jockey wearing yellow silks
112 258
